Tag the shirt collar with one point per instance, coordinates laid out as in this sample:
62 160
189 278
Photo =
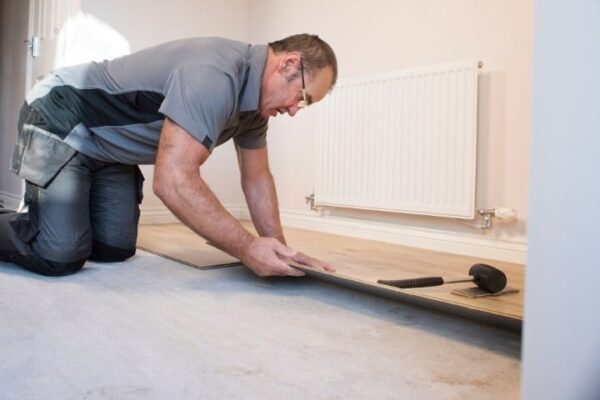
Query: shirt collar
251 92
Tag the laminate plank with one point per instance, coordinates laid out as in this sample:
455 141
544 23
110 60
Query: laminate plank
367 261
179 243
360 263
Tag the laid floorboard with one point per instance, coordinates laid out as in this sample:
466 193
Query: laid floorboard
360 263
178 242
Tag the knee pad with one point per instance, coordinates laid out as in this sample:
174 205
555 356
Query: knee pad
56 268
102 252
41 266
13 250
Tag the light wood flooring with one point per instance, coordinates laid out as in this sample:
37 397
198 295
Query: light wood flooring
360 263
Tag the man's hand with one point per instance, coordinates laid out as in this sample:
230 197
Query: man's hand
304 259
264 256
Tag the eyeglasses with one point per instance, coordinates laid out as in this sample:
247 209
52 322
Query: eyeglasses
303 103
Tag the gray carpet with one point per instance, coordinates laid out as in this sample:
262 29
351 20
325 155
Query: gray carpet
150 328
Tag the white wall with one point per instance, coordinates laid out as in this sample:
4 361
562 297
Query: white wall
381 35
561 358
148 22
13 31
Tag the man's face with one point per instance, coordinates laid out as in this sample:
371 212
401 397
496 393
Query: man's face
282 91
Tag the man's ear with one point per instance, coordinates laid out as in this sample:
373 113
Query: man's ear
289 65
290 61
282 64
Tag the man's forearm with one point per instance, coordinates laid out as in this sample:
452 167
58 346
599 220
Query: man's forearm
261 197
196 206
177 182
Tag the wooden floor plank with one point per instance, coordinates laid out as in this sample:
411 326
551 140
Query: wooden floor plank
368 261
178 242
361 263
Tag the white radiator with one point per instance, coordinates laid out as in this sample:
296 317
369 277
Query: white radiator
401 142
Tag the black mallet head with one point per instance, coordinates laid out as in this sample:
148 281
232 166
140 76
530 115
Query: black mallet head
488 278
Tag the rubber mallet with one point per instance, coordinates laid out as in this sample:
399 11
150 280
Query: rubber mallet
485 276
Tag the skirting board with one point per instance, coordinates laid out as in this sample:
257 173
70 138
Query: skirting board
445 241
514 251
162 215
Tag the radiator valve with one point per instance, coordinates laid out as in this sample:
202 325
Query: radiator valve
310 199
500 213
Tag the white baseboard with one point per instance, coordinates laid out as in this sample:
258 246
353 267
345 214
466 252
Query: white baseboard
10 200
156 216
513 250
162 215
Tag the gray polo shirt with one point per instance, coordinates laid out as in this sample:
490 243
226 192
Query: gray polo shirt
114 110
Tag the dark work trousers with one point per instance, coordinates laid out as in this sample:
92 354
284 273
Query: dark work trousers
87 209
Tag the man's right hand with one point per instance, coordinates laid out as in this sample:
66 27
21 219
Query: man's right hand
263 257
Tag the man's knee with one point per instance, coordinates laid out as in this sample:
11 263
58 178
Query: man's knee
41 266
102 252
18 251
57 268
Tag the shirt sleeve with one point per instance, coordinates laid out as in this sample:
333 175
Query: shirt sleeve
200 99
255 135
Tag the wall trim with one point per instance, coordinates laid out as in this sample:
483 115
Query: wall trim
162 215
510 250
156 216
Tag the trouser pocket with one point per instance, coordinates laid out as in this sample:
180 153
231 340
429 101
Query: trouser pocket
39 155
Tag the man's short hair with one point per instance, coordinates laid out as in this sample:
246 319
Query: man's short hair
316 53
